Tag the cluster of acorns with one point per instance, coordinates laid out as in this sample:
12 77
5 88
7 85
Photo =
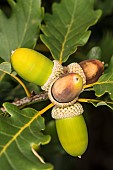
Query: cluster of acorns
64 85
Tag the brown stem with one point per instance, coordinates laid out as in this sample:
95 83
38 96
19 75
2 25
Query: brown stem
28 100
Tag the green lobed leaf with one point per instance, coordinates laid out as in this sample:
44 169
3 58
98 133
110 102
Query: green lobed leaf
19 134
21 29
105 82
67 27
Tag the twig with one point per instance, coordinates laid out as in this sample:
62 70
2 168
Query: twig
29 100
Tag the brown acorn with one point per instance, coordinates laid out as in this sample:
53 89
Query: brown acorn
67 87
93 69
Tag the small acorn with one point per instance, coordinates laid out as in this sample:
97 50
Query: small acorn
67 87
93 69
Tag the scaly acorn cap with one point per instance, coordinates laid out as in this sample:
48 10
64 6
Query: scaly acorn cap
69 111
57 71
76 68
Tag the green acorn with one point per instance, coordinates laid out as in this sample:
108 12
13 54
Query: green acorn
71 129
70 124
31 65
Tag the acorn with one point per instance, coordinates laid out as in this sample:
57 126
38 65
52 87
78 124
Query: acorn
71 129
70 124
93 69
67 87
31 65
34 67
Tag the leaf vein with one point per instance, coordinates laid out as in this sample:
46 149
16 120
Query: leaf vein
66 35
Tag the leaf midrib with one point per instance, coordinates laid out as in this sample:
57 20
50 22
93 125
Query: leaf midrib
68 31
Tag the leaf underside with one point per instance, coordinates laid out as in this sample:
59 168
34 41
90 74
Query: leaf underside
21 29
67 27
18 134
5 67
